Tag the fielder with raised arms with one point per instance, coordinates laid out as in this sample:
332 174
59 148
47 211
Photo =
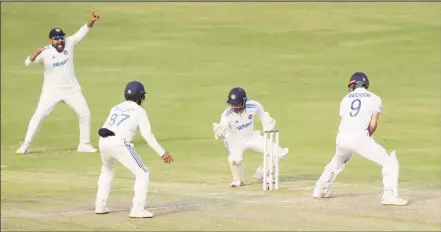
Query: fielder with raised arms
60 84
236 128
115 144
360 110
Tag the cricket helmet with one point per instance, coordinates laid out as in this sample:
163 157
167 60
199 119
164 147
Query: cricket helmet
358 80
237 99
135 92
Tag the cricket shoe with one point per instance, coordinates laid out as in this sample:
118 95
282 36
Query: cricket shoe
270 182
100 210
284 154
237 183
322 192
268 179
393 200
23 149
257 176
141 214
87 148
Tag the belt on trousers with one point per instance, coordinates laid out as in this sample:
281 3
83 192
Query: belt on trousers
104 132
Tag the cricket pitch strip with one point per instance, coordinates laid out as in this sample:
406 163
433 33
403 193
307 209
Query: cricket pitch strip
179 206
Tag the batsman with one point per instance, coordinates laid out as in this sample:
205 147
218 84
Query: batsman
236 128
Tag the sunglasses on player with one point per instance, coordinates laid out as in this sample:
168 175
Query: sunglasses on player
59 37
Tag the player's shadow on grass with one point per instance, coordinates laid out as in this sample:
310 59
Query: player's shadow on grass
336 194
297 177
49 151
173 209
292 178
173 139
165 209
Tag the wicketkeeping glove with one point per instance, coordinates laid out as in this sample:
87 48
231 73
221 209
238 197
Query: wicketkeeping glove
268 122
219 131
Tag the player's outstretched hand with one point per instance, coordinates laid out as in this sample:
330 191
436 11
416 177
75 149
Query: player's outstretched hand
167 157
39 50
95 16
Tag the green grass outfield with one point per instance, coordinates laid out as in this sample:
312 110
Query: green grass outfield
295 58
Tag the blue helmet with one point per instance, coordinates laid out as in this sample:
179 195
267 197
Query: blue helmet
358 80
135 92
237 99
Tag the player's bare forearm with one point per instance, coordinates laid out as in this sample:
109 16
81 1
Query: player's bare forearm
373 123
371 129
33 57
90 23
93 19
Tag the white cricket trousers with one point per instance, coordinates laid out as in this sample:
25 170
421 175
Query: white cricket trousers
49 98
236 146
116 148
348 144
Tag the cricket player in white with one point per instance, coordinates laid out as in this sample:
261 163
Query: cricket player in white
60 84
115 144
359 111
236 127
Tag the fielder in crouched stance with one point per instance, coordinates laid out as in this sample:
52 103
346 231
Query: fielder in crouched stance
359 111
236 127
115 144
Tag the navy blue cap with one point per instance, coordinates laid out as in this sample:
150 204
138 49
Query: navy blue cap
55 32
236 96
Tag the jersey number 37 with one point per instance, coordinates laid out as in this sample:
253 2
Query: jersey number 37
355 108
118 119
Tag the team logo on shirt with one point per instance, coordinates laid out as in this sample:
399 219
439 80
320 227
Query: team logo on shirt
58 64
250 116
53 57
237 121
65 52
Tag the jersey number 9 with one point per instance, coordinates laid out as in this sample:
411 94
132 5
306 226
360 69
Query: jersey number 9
355 107
121 117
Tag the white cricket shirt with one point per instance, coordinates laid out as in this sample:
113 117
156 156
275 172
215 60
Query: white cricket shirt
59 66
242 124
356 110
125 118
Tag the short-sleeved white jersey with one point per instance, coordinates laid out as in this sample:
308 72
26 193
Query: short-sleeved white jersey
242 124
59 66
356 110
124 120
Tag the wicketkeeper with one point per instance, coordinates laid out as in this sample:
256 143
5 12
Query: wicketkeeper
236 128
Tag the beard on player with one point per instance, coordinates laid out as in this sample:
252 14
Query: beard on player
58 43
